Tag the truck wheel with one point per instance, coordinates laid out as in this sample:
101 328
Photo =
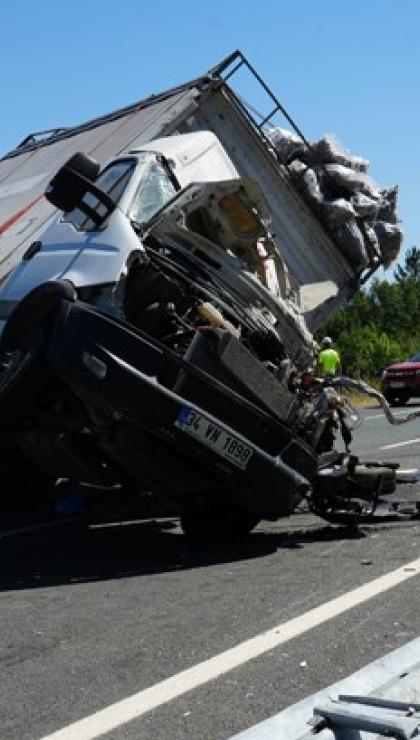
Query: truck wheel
218 523
23 346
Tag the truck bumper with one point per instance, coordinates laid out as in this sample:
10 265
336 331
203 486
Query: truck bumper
130 377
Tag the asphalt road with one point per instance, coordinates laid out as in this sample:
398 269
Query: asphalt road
377 438
91 616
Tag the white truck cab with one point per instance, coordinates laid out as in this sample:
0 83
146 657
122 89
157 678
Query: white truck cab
92 250
73 247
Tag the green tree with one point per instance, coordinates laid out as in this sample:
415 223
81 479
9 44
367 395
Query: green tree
381 323
411 268
365 351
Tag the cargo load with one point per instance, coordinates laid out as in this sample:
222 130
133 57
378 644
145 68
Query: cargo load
361 217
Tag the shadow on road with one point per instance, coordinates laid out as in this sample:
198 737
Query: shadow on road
76 554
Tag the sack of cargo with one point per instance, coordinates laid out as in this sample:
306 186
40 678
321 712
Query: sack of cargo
350 241
329 151
388 205
307 182
297 167
390 239
337 212
351 181
287 144
364 206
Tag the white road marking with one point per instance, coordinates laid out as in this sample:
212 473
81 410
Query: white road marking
133 707
401 444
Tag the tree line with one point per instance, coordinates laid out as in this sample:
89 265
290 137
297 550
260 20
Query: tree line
380 324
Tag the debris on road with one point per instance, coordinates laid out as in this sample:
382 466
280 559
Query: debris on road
411 475
382 698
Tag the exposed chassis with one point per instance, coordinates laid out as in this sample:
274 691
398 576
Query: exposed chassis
134 384
92 398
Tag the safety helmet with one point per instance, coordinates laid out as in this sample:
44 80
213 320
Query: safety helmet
327 342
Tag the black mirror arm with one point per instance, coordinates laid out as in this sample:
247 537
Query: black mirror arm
91 213
104 198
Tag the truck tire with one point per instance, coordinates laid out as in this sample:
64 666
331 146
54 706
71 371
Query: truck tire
218 523
23 348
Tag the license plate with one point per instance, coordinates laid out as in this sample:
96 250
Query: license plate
211 435
397 385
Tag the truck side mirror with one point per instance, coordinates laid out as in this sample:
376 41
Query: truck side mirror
72 182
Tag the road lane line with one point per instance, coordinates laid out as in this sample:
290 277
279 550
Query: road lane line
401 444
133 707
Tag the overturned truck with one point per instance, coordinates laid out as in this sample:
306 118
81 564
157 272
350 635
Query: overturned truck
157 310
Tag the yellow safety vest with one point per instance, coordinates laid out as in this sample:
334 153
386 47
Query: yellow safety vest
329 359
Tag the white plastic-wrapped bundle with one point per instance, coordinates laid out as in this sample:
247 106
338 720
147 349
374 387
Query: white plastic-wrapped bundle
390 239
365 206
351 181
307 182
286 143
297 167
337 212
329 151
359 215
350 240
388 204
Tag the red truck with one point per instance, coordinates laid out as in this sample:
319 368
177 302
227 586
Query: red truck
401 381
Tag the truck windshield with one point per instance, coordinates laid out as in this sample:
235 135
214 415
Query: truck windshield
112 180
155 189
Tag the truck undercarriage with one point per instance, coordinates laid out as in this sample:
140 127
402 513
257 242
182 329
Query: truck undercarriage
187 397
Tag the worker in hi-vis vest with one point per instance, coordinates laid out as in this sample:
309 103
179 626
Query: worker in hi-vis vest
328 362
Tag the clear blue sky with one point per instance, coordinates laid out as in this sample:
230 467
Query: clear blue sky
349 68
